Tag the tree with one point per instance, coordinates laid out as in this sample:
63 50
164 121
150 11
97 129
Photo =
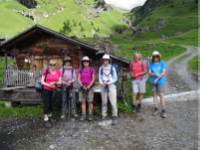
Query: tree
66 27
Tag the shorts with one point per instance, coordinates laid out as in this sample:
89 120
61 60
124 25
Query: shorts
139 86
89 95
158 88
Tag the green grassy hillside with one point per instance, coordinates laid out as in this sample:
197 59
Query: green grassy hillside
84 19
173 20
11 22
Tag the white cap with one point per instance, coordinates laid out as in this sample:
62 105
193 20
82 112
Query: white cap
106 56
156 53
85 58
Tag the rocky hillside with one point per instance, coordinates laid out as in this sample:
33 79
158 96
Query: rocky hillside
166 17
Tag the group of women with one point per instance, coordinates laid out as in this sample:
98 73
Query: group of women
53 78
65 77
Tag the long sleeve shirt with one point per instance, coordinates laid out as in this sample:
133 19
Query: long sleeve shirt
106 75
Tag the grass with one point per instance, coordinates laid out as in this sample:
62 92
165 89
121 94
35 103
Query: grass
126 47
20 111
11 22
194 64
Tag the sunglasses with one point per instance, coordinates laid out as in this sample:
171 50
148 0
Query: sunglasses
156 56
53 65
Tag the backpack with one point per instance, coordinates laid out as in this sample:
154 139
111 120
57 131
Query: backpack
38 84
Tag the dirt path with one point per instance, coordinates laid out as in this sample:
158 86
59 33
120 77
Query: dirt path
143 132
179 78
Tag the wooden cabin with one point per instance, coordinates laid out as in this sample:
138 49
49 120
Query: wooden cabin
30 51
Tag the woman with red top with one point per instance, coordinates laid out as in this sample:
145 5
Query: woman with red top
51 79
138 70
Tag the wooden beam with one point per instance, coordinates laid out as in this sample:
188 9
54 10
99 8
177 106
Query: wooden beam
5 68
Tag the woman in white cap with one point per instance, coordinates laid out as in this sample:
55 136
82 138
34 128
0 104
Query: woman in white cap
157 72
86 79
107 79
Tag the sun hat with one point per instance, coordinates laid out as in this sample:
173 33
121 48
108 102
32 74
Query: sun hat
156 53
106 56
85 58
67 59
52 62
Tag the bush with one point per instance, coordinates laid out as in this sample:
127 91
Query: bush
120 28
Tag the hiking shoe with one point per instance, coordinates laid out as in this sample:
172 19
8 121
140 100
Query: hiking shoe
163 114
62 117
104 118
114 120
138 108
75 115
155 112
46 118
83 117
47 124
49 115
90 117
133 108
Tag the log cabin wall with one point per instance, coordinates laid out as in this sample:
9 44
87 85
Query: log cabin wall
41 49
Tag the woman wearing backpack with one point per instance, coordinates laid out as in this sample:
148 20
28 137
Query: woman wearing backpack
51 79
107 79
157 72
86 79
68 93
138 69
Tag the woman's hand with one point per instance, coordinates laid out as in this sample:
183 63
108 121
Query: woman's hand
52 85
156 81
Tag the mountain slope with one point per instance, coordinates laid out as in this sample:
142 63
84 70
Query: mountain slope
85 17
11 21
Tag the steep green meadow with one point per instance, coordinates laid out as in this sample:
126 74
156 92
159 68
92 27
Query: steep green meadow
11 22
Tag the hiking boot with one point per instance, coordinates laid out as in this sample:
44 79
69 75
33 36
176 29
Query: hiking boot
133 108
62 117
49 115
83 117
114 120
75 115
104 118
155 112
46 118
47 124
90 117
163 114
138 108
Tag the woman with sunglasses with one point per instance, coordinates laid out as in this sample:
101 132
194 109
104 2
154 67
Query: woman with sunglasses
51 79
86 79
68 93
157 72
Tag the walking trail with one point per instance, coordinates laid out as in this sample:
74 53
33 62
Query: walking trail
179 78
